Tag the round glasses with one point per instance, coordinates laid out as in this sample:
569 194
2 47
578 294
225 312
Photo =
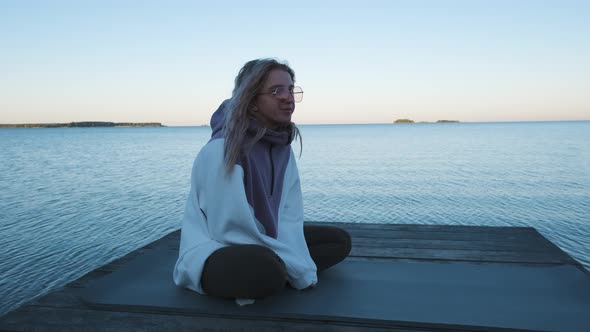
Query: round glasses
284 92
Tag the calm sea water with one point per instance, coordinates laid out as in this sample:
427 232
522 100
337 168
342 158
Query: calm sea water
73 199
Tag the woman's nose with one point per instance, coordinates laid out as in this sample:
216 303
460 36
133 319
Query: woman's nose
289 96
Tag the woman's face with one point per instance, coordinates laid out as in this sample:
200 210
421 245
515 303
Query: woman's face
275 110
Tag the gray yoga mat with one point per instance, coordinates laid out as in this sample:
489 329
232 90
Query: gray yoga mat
427 294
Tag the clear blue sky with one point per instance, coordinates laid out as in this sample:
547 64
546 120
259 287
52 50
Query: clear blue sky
357 61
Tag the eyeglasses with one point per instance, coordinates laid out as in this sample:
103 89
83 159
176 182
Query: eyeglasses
284 92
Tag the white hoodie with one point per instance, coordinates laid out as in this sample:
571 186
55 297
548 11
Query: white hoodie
218 214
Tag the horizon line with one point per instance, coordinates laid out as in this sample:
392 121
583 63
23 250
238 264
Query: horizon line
391 123
305 124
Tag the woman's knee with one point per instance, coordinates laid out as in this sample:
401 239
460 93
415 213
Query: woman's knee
327 245
248 271
346 241
315 235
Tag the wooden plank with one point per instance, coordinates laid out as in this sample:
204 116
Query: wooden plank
466 236
480 245
532 244
461 231
426 227
527 238
460 255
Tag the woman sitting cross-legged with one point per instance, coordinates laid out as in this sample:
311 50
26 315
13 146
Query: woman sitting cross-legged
243 234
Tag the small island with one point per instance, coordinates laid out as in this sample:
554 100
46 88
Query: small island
403 121
83 124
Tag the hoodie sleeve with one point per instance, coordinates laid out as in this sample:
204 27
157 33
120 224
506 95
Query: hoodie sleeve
230 219
291 225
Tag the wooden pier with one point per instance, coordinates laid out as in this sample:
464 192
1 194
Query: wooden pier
63 310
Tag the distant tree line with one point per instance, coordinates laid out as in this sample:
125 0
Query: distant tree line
83 124
412 121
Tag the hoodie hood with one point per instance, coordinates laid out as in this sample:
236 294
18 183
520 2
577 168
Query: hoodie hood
218 120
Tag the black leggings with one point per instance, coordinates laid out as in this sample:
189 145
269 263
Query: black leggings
252 271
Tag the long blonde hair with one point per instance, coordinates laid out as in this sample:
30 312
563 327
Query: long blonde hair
248 84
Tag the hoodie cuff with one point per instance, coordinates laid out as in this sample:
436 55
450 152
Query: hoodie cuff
304 281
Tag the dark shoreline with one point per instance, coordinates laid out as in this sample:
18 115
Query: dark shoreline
85 124
407 121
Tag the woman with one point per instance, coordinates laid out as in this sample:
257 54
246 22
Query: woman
242 234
